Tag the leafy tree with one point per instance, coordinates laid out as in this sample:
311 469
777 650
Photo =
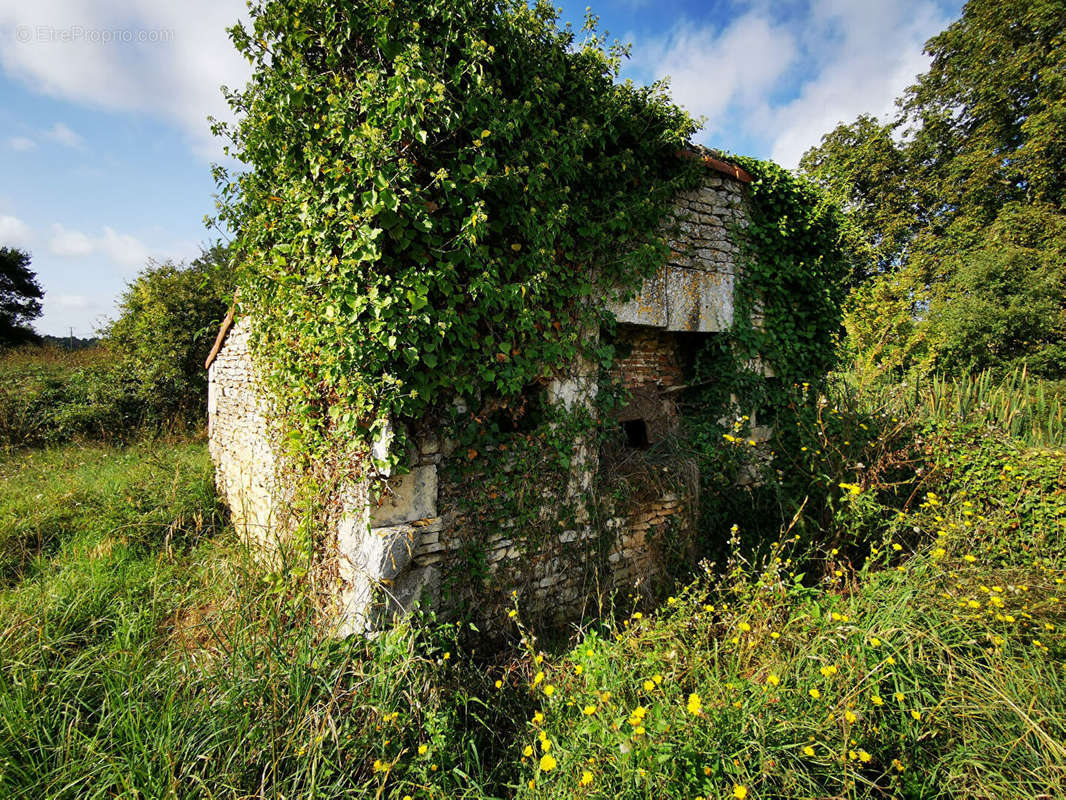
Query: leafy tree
1005 304
976 152
434 192
168 318
20 297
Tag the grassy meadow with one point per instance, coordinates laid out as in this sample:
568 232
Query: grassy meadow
897 635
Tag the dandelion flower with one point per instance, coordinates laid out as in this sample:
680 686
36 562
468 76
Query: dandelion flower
808 751
538 678
815 693
589 710
586 778
772 679
549 690
527 751
423 749
740 791
916 714
548 762
694 704
850 716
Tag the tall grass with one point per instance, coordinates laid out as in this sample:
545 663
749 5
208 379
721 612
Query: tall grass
143 653
1028 409
910 647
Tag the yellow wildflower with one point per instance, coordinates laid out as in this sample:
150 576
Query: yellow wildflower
694 704
547 762
740 791
586 778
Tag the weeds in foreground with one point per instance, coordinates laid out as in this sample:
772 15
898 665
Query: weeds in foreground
915 651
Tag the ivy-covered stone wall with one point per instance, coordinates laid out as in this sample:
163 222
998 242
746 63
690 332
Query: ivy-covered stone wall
476 531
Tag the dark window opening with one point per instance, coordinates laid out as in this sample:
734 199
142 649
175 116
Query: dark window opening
636 431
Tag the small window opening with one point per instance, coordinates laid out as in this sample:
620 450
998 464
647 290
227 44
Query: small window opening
636 431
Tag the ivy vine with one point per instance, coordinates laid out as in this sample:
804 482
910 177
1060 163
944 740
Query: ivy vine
436 195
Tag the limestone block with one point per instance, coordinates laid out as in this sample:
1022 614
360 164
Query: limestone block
648 307
383 553
414 585
699 301
409 497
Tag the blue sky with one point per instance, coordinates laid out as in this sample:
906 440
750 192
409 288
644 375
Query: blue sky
106 152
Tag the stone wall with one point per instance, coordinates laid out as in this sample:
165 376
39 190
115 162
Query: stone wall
240 440
693 291
410 543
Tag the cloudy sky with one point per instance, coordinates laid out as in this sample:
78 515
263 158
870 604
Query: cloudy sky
105 149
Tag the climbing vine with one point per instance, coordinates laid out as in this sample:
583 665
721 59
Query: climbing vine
435 196
793 277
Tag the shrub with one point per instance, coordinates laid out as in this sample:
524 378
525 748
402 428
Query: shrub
168 318
50 395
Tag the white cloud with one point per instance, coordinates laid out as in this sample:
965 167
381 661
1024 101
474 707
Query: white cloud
21 144
67 242
871 53
14 232
714 71
122 249
65 136
72 302
158 57
831 59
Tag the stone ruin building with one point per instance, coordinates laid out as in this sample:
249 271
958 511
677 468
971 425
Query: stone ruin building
398 546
